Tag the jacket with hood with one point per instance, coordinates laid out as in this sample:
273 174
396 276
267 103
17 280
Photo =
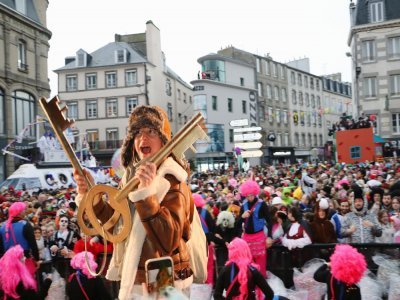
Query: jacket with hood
363 234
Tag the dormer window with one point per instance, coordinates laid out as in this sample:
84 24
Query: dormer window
20 6
81 58
376 11
121 56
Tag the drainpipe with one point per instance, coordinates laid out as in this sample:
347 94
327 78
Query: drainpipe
145 84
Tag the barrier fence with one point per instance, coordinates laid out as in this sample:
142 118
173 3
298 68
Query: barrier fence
280 261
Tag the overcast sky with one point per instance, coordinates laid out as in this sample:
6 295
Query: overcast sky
286 29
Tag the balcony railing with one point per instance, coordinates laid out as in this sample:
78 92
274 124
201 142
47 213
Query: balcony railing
105 145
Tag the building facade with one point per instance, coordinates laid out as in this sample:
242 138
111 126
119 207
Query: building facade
224 92
24 47
307 131
102 88
375 53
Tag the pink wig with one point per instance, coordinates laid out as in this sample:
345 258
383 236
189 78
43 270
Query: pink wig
198 200
239 254
14 210
347 264
249 187
78 262
18 272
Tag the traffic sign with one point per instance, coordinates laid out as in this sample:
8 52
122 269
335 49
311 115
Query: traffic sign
254 153
247 137
241 122
245 129
249 145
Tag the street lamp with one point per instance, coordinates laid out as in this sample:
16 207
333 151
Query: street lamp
357 73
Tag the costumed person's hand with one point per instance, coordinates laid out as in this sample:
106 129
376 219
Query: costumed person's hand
269 242
352 229
81 186
93 240
218 236
146 174
246 214
54 248
64 252
37 264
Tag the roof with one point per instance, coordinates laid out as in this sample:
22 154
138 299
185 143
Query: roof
391 11
105 56
30 9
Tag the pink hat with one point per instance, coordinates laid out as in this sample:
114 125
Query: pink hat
15 209
249 187
198 200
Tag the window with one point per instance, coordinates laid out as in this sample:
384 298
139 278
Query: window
244 106
299 79
282 71
22 56
121 56
72 112
370 87
376 12
303 139
93 138
111 79
179 118
317 84
130 77
394 47
178 94
395 85
315 140
285 117
368 51
230 109
296 140
302 117
300 98
267 70
270 114
294 97
269 91
131 103
23 112
286 139
261 113
214 103
311 83
111 108
91 81
71 82
308 119
185 119
278 116
305 81
112 138
230 135
276 93
184 98
309 142
318 101
259 89
190 99
275 69
307 99
355 152
284 95
20 6
312 101
241 81
321 140
279 139
396 123
169 112
91 109
258 65
292 77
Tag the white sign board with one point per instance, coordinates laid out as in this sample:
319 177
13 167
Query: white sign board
249 145
241 122
254 153
246 129
247 137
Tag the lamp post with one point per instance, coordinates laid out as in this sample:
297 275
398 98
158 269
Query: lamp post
357 71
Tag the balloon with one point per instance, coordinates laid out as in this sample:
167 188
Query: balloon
116 163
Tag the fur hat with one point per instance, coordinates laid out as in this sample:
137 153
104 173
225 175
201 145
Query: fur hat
249 187
347 264
144 117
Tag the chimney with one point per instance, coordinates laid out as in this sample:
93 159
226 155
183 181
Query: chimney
352 9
